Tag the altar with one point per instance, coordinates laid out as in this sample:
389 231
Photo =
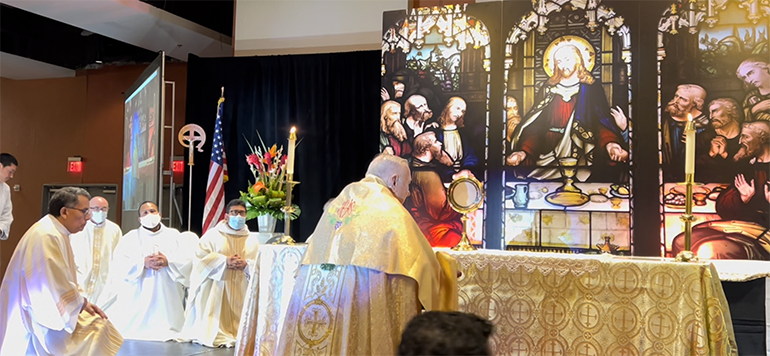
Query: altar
545 304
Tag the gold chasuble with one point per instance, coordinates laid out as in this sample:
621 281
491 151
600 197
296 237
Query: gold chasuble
367 271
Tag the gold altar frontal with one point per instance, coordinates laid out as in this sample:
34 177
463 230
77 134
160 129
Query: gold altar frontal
556 304
544 304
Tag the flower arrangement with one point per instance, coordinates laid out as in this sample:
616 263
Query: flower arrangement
267 195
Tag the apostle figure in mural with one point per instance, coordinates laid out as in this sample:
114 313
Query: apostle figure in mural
755 74
688 100
453 135
392 134
719 142
743 208
428 202
572 119
512 117
417 116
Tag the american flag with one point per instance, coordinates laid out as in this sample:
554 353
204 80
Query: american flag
214 211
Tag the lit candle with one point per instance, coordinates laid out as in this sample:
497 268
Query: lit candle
689 165
292 145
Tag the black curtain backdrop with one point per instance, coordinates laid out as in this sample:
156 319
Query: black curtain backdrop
330 98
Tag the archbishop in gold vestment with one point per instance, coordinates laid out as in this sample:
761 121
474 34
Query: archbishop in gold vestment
367 271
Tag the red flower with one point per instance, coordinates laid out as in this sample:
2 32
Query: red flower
283 160
252 159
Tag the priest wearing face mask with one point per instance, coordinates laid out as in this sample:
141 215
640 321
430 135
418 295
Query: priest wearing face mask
221 271
150 269
92 249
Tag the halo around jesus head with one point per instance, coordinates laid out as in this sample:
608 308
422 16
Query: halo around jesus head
585 48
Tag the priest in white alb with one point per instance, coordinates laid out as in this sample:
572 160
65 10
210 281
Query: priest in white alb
93 249
223 260
150 269
41 309
367 271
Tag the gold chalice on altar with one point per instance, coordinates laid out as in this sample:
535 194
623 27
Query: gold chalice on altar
465 195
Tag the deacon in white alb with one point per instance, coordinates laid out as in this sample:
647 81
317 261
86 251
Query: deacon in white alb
151 266
41 309
93 248
221 267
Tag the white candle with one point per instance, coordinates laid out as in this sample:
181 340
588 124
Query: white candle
689 165
292 145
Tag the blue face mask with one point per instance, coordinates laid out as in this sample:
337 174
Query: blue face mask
236 222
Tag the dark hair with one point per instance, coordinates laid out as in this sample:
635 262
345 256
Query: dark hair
234 202
66 197
446 333
139 209
6 159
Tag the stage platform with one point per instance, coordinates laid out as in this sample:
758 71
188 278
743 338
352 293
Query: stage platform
157 348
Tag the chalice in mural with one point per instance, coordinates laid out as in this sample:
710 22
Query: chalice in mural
568 168
568 194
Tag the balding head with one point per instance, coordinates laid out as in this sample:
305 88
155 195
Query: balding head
394 171
100 202
99 209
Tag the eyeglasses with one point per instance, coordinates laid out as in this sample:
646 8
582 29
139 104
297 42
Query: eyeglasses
86 211
95 209
237 212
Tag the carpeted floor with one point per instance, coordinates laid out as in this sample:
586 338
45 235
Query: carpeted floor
156 348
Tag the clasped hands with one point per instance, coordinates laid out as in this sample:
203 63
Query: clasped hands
236 262
156 261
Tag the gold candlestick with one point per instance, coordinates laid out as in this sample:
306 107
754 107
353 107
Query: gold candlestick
689 180
288 210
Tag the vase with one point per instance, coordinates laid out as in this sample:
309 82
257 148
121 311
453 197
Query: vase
521 199
266 223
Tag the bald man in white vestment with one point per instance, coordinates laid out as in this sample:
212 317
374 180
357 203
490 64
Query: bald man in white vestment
151 267
41 309
221 267
367 271
93 249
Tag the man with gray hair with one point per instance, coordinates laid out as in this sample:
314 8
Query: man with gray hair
41 306
367 257
688 102
719 142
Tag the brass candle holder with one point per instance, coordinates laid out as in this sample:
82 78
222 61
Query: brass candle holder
689 180
287 210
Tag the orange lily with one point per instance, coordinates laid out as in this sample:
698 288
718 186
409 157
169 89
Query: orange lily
257 187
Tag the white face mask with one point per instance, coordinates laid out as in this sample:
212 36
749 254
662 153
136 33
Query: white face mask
150 221
98 217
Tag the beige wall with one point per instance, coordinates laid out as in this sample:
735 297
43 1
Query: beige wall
42 122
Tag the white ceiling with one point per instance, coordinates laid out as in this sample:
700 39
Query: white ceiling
136 23
21 68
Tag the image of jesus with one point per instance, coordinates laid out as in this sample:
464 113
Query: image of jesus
570 121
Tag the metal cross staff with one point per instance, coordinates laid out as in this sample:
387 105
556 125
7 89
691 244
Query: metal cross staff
187 137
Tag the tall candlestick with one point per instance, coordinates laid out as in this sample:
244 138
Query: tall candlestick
292 145
689 129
